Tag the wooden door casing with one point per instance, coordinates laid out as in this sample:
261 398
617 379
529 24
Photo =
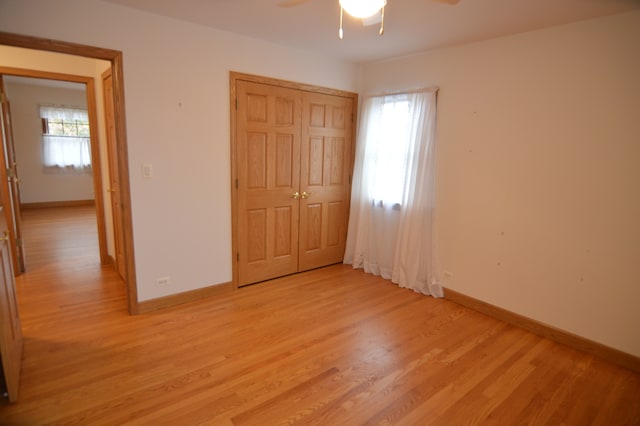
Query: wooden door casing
292 159
115 58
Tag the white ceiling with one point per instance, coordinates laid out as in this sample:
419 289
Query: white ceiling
410 25
59 84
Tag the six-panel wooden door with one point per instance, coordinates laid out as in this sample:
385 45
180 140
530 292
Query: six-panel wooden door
268 152
114 175
10 328
293 165
9 173
324 178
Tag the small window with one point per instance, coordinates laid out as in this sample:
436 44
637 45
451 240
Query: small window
66 144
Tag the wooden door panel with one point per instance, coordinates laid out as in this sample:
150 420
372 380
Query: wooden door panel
269 233
334 217
269 244
257 243
284 161
283 225
285 111
333 115
326 157
268 152
114 175
313 227
294 152
9 173
315 162
256 108
339 117
256 158
317 114
334 162
10 327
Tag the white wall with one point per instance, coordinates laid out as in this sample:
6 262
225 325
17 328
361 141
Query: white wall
37 186
539 172
176 78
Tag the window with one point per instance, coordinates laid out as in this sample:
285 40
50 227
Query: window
65 141
389 158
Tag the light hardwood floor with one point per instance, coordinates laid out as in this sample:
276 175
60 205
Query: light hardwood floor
330 347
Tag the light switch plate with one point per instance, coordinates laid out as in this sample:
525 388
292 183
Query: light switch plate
147 171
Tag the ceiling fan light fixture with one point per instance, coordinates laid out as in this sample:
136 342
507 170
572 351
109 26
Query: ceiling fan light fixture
362 8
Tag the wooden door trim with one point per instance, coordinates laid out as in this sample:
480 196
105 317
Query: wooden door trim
116 60
288 84
234 77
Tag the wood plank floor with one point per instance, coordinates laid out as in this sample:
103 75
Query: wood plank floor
329 347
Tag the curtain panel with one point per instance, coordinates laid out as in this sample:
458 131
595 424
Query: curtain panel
393 193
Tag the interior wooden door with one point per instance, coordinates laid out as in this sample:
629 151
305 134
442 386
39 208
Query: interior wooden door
10 175
114 181
326 161
292 150
268 179
10 327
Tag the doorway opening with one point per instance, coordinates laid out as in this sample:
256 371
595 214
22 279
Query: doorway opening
114 58
55 171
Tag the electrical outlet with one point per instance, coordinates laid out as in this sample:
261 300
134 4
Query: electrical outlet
163 281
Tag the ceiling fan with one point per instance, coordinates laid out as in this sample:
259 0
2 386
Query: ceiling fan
364 9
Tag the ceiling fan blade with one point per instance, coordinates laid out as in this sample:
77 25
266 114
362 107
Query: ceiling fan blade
451 2
291 3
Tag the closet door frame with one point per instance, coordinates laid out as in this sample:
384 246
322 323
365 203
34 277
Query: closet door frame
234 77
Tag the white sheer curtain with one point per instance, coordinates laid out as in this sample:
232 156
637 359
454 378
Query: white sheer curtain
393 193
65 151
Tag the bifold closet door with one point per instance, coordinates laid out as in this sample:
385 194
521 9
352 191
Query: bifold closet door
326 160
268 165
293 162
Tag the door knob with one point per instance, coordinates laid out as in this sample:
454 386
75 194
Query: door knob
295 195
305 194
